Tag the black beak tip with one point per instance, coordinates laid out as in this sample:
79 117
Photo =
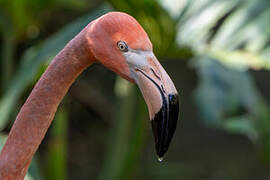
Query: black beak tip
164 124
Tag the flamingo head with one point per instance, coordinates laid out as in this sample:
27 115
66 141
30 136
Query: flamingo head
119 42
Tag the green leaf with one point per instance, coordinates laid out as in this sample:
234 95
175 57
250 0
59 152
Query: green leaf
57 147
242 125
230 26
127 134
228 99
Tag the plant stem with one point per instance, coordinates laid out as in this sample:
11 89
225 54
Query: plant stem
57 153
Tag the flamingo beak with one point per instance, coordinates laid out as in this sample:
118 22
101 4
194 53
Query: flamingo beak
162 101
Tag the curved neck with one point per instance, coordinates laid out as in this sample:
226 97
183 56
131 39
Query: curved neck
39 109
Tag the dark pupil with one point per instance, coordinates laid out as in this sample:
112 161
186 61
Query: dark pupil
122 46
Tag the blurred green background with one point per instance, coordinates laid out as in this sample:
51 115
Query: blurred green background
216 51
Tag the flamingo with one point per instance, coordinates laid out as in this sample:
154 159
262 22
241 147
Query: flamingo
117 41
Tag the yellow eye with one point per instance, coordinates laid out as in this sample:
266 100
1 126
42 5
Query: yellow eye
122 46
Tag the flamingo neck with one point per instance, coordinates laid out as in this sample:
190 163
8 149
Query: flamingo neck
39 109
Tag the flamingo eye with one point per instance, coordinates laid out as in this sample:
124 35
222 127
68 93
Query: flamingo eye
122 46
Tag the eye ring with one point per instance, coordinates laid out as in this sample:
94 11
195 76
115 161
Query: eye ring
122 46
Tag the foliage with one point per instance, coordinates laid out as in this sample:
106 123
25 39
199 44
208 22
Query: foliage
224 31
57 153
128 140
239 110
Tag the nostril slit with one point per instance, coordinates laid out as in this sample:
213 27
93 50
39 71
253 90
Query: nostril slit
163 88
155 73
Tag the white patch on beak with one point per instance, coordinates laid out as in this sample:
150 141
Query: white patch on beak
137 58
